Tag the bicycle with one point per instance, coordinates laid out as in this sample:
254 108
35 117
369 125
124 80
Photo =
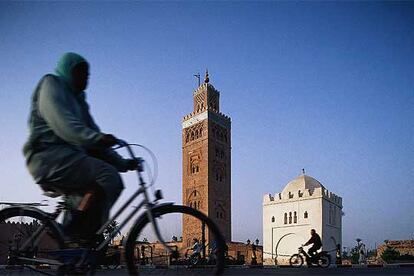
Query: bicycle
321 259
41 240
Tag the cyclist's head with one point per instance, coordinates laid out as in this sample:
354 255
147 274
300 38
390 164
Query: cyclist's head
313 231
195 240
74 70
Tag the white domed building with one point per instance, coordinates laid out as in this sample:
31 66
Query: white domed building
288 217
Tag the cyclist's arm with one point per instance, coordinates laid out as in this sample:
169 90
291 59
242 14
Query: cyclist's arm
105 154
55 109
115 160
310 241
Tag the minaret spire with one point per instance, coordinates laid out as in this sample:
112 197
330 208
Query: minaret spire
206 79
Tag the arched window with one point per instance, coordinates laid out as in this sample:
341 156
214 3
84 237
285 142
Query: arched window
187 137
201 132
290 217
198 205
192 135
295 218
305 215
285 218
196 134
273 219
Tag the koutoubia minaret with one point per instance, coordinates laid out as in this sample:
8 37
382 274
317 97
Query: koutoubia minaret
207 163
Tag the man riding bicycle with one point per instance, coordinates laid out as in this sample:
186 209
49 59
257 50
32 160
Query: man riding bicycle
66 151
196 250
316 241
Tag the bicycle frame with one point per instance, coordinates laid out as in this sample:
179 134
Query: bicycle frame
146 203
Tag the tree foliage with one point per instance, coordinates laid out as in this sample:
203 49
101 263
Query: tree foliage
390 254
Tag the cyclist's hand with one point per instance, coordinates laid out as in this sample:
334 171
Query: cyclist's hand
133 164
108 140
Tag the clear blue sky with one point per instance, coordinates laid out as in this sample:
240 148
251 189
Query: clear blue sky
323 86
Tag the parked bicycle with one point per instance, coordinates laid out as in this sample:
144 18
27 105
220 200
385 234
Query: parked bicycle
41 240
321 259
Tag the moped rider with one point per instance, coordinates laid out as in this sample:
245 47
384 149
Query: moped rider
316 242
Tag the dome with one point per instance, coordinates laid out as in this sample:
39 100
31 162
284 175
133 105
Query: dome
302 182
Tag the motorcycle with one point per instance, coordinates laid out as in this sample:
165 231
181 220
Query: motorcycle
321 259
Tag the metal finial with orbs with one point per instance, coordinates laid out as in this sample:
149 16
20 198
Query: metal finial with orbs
206 79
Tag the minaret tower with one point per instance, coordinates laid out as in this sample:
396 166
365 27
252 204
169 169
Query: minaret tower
207 163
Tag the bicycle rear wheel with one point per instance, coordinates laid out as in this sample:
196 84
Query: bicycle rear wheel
28 237
169 218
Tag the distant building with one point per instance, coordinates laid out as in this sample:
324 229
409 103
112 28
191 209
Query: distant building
288 217
404 247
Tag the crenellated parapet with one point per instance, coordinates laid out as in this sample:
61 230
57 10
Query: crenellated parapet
192 114
332 197
203 87
302 194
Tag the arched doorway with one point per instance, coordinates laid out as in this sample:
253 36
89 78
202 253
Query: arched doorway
285 246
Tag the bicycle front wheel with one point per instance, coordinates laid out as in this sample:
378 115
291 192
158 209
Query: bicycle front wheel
296 260
142 247
29 236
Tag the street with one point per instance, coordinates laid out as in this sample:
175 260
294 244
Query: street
389 271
